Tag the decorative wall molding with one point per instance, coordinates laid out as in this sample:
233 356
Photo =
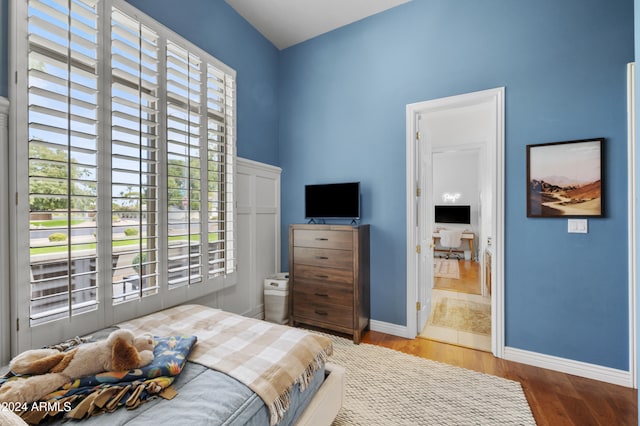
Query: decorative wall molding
258 233
258 239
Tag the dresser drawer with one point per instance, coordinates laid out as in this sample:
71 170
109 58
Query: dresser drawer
325 258
322 313
323 239
323 294
309 273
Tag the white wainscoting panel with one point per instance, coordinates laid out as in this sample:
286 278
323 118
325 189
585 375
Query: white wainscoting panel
258 231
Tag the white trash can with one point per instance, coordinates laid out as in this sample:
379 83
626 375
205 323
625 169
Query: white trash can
276 298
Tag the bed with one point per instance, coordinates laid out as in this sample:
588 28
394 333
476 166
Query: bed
217 386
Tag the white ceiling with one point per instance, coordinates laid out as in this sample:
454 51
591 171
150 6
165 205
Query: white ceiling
289 22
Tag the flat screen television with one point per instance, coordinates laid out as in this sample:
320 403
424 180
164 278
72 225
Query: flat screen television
332 201
453 214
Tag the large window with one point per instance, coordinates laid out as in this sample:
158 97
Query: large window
125 147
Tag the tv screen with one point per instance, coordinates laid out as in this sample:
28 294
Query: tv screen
332 201
452 214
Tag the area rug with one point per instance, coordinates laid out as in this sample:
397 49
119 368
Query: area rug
387 387
446 268
462 315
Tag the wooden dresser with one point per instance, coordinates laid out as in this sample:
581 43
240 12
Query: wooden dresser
329 277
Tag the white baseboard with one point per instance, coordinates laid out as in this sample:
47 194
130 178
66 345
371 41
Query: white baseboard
388 328
568 366
577 368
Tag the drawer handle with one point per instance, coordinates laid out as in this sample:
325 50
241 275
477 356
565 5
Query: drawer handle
322 257
322 239
322 295
322 276
321 312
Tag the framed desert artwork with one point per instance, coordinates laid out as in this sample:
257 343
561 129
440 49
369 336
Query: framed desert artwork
564 179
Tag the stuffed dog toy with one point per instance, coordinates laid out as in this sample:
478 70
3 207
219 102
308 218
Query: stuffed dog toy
51 369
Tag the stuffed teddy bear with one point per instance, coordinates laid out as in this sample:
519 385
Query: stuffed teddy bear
51 369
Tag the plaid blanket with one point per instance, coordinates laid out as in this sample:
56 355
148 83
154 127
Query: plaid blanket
268 358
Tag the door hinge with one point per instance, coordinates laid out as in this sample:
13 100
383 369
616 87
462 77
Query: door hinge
418 306
418 192
417 136
16 198
418 249
17 324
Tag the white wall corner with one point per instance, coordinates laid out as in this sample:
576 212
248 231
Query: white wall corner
568 366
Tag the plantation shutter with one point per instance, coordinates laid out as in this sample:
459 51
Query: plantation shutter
220 154
134 158
125 145
184 129
63 138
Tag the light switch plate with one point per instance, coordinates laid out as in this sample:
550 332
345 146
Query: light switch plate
578 226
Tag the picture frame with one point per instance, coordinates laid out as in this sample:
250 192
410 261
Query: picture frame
565 179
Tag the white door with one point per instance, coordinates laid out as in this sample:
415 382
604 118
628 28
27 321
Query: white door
439 125
424 225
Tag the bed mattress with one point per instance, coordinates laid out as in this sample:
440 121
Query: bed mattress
206 397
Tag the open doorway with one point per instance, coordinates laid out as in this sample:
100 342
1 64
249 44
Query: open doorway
461 138
460 310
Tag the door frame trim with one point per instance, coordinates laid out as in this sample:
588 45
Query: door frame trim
496 96
632 221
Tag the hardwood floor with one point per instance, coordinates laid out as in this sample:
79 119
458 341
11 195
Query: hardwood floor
555 398
469 281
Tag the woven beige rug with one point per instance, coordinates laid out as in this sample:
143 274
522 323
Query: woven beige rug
446 268
462 315
387 387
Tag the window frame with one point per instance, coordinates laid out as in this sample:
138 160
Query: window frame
24 336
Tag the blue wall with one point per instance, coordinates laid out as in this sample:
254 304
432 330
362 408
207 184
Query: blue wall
215 27
342 117
339 114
